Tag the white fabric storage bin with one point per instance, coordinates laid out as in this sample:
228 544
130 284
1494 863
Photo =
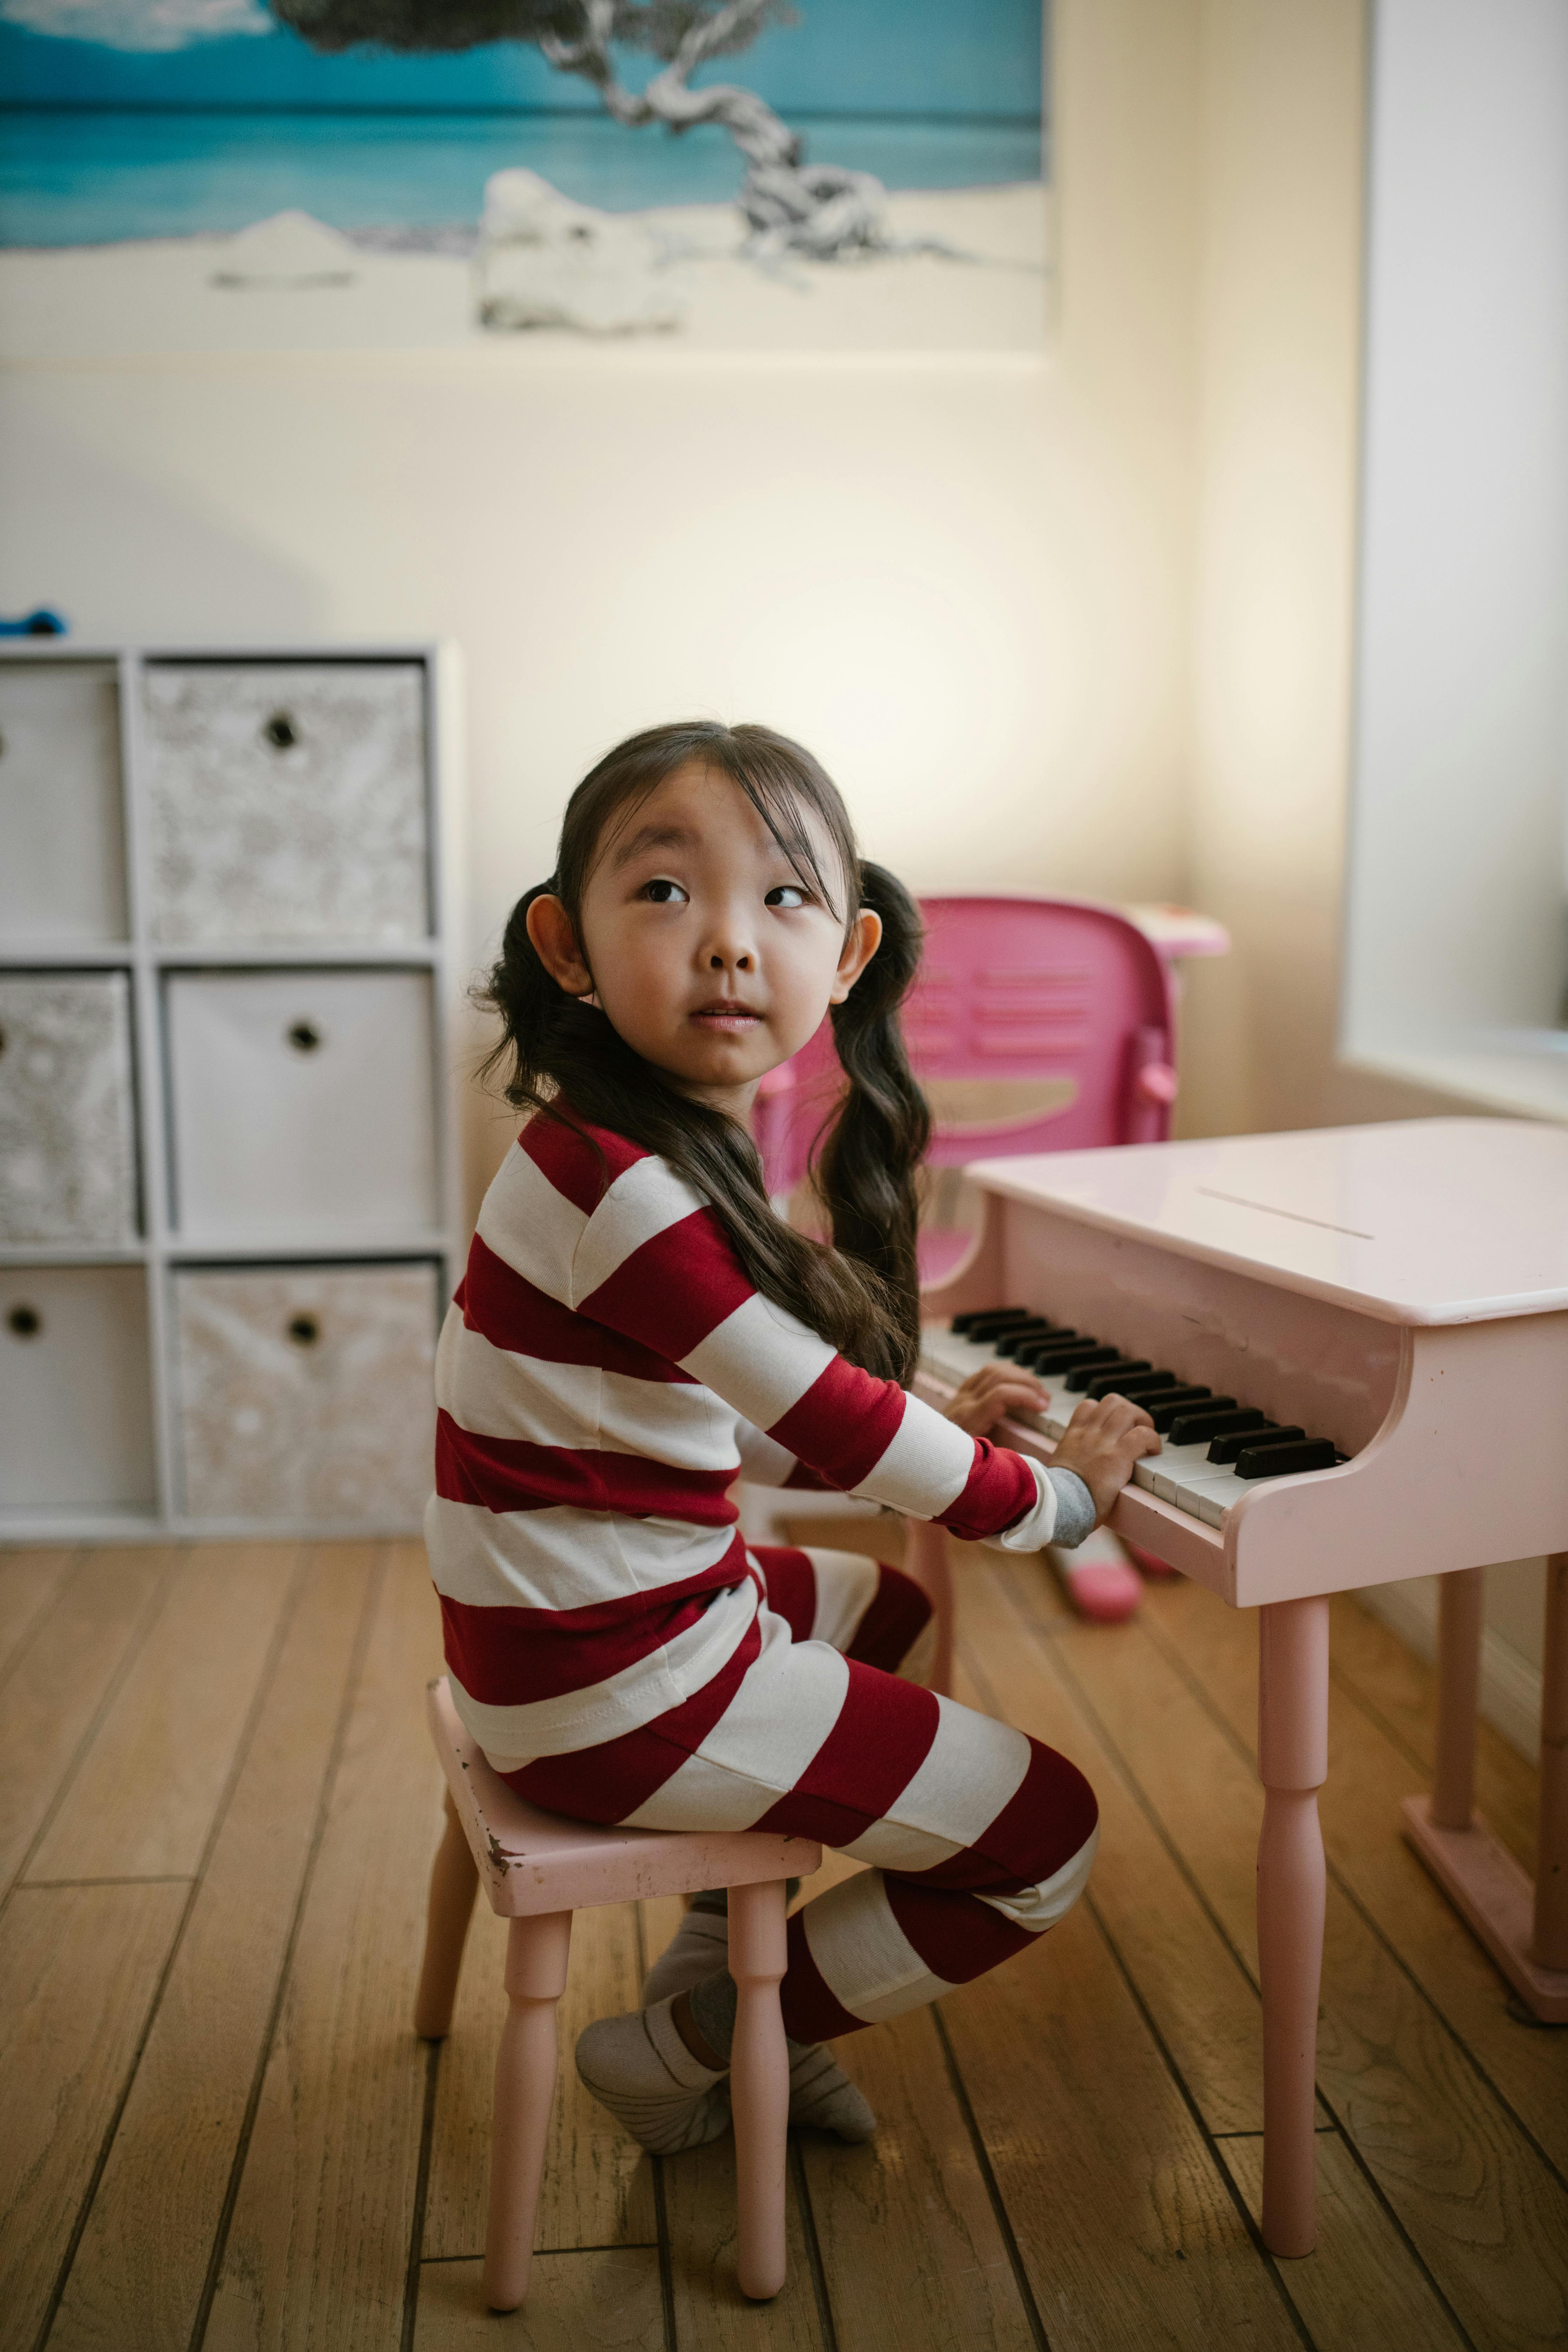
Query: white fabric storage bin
301 1102
287 801
306 1392
62 871
76 1424
68 1164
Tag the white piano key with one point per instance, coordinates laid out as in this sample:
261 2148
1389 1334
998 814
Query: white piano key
950 1356
1059 1410
1209 1498
1176 1463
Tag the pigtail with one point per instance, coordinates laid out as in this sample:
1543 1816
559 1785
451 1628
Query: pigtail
872 1152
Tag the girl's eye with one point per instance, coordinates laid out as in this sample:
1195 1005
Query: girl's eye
663 892
786 894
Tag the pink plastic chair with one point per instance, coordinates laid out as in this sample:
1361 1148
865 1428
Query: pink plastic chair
1063 1007
1035 1025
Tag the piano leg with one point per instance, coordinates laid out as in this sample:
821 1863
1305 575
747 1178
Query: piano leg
1459 1597
1524 1927
1293 1763
926 1559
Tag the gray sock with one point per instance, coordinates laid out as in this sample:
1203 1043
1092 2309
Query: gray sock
717 1899
713 2003
820 2093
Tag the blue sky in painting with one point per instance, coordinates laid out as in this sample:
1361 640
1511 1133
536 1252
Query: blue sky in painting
200 115
941 57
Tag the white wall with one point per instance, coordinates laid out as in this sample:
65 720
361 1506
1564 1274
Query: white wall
1456 904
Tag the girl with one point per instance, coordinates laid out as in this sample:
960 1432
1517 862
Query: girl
636 1328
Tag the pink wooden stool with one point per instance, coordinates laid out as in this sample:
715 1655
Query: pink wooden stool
537 1870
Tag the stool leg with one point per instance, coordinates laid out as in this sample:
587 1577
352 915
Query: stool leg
536 1956
927 1561
758 2084
454 1876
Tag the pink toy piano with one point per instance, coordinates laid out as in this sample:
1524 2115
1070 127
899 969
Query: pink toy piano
1354 1343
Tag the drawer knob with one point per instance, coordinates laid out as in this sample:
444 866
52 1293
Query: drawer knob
23 1322
280 732
305 1037
304 1330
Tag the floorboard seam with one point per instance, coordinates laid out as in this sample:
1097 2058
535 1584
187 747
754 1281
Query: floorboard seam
1061 1666
1381 1937
421 2193
1413 2251
220 1810
830 2333
993 2186
153 1878
1190 2102
45 1613
134 1647
661 2223
259 2076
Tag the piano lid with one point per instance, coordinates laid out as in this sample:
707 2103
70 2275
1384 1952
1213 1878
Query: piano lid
1423 1221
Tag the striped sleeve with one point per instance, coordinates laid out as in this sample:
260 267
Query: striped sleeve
652 1263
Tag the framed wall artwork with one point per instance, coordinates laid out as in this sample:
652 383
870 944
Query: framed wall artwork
790 175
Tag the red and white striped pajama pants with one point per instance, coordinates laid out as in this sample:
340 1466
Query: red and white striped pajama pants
979 1837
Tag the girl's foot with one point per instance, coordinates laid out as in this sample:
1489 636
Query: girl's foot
821 2095
640 2069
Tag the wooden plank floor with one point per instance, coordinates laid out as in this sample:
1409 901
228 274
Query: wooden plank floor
216 2129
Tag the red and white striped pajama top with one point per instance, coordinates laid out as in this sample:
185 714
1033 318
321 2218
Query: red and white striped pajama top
606 1371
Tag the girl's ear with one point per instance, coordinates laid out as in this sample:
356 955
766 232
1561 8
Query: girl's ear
865 937
556 945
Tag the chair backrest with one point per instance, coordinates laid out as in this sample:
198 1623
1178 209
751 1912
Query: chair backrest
1035 1025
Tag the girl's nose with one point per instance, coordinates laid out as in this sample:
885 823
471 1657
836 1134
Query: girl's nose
740 961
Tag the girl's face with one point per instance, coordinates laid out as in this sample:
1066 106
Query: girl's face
709 955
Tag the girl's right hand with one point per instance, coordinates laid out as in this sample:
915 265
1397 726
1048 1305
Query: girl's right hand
1103 1440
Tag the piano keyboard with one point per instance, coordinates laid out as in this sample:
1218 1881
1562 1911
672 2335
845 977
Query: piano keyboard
1213 1447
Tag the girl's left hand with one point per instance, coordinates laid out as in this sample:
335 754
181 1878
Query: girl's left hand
990 1394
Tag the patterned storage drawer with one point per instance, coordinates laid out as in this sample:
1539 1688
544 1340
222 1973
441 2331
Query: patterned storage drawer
306 1392
68 1154
76 1419
301 1102
62 874
287 801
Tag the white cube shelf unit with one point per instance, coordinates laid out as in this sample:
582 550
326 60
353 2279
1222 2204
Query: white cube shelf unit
229 1195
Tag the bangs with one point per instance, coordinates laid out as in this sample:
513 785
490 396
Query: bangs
779 779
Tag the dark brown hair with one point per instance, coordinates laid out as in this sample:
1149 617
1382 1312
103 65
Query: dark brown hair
564 1060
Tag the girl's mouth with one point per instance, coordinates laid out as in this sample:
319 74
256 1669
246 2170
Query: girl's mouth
733 1020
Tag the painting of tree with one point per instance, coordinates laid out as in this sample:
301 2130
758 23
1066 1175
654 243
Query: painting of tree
819 210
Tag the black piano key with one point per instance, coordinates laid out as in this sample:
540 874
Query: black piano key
1024 1335
1050 1359
1128 1365
1134 1384
1278 1461
979 1322
1225 1449
1165 1416
1058 1343
1211 1421
1154 1401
